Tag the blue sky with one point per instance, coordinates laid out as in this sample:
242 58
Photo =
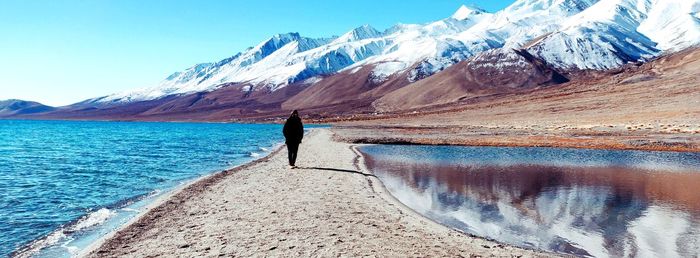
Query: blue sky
59 52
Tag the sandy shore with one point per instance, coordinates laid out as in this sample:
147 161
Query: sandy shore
331 206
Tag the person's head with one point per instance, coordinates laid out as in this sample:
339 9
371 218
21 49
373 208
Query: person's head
295 113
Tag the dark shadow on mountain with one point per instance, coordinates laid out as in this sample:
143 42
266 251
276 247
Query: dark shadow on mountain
339 170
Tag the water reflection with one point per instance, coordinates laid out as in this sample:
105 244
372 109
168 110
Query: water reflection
592 211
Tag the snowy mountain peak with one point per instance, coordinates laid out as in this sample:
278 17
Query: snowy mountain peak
465 12
536 5
363 32
276 42
568 34
286 36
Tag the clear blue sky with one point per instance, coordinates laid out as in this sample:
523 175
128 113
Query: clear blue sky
59 52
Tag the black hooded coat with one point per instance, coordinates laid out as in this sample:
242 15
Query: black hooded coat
293 130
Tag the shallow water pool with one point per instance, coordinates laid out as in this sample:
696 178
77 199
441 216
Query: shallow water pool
584 202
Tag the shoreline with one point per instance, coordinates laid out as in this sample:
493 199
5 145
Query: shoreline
90 186
353 144
419 142
27 250
130 238
480 137
166 197
378 186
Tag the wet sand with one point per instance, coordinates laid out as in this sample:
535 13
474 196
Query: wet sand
331 206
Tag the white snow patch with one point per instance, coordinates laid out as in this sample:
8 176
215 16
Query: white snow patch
312 80
465 12
388 68
355 69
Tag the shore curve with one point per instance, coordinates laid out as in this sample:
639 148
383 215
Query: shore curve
330 206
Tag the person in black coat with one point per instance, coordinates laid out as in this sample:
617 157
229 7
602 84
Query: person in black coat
293 131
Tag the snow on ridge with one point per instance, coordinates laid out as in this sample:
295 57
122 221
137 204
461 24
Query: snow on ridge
611 33
363 32
383 70
465 12
312 80
673 32
287 58
584 34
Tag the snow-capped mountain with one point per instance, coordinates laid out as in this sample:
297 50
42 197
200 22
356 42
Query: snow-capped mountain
253 65
567 34
611 33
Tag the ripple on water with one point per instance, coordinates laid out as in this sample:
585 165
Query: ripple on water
66 183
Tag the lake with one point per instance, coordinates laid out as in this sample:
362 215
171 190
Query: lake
64 184
600 203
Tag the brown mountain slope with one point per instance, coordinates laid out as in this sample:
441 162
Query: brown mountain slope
229 102
86 111
663 91
489 73
495 78
654 106
356 88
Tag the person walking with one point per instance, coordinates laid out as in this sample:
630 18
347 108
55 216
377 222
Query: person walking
293 131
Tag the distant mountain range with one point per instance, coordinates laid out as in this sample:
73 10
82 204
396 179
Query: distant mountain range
530 44
15 107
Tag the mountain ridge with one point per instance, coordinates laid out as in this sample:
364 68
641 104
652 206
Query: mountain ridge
13 107
575 34
547 42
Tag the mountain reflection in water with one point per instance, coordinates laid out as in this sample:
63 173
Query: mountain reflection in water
591 211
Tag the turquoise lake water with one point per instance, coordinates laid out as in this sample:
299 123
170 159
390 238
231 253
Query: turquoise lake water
64 184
